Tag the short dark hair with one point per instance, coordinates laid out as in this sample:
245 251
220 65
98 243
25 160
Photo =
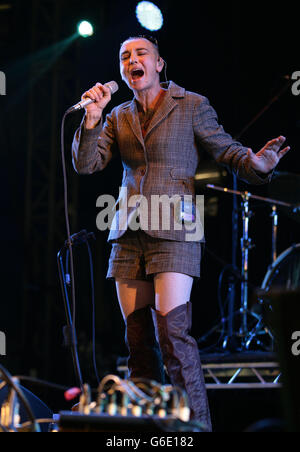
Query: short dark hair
149 38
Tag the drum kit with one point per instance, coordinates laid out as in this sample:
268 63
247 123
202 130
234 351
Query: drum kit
251 332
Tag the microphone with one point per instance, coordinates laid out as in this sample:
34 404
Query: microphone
113 86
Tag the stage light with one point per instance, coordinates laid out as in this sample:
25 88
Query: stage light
149 16
85 29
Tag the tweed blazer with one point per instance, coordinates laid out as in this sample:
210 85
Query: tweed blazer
163 162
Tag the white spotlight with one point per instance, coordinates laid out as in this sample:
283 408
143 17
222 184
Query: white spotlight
149 16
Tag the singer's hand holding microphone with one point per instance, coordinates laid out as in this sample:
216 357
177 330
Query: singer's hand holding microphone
94 101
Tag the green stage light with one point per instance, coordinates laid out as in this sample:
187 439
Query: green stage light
85 29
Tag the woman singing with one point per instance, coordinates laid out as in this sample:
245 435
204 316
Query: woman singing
158 135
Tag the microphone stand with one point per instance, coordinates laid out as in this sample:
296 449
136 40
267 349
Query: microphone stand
69 330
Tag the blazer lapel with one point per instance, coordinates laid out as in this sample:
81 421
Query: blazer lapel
168 104
132 117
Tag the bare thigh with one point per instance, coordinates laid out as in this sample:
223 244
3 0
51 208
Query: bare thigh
134 294
171 290
168 291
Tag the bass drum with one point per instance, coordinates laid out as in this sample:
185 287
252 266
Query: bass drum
283 276
284 273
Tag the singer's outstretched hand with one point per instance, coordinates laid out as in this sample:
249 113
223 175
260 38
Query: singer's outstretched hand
101 94
268 157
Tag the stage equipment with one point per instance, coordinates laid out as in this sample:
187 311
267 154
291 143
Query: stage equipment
284 271
246 332
21 411
235 211
137 405
131 405
69 332
283 275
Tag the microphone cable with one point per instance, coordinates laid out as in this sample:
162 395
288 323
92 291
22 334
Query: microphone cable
69 240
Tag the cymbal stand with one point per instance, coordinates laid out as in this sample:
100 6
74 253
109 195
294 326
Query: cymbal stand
245 247
260 325
246 332
274 216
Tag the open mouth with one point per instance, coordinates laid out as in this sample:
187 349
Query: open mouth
137 74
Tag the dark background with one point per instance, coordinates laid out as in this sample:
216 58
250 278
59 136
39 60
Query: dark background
235 54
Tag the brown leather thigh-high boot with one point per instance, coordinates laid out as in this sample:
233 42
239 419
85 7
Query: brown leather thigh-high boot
145 360
181 358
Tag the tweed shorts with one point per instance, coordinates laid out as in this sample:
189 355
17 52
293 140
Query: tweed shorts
137 255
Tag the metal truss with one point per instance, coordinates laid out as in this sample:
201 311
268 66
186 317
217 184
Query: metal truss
235 375
254 375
